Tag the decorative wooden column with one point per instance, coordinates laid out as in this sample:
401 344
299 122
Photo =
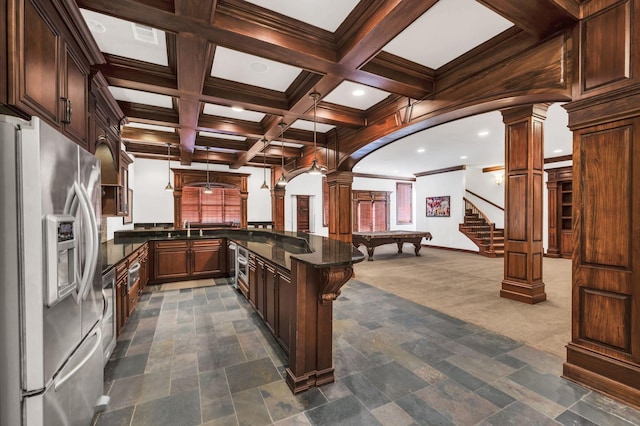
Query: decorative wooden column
524 170
277 207
340 211
311 348
604 352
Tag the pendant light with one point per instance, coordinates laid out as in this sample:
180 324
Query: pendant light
314 169
282 182
207 189
168 187
264 165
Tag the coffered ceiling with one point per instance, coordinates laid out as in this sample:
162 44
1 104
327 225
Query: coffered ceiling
223 74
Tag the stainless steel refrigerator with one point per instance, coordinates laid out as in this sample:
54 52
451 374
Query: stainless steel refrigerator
51 366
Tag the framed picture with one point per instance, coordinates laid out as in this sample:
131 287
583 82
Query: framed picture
438 206
129 217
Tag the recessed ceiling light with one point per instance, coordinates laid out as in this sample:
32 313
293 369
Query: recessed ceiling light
483 133
96 27
259 67
557 150
237 109
463 157
358 92
395 171
421 150
358 167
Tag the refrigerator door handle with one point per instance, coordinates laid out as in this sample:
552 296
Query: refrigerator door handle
92 243
61 380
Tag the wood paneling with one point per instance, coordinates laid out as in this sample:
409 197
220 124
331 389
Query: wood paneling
523 208
606 181
606 318
608 31
340 208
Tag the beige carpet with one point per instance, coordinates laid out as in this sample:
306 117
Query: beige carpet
467 286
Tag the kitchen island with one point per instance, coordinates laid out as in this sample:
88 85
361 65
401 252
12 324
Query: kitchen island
294 280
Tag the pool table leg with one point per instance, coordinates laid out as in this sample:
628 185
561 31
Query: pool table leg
400 243
370 250
417 246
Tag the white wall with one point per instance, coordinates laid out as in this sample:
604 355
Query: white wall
305 184
484 184
117 223
444 230
151 203
371 184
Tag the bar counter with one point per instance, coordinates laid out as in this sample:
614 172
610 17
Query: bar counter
293 291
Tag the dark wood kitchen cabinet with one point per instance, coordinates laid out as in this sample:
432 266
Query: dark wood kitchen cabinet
50 52
273 296
185 259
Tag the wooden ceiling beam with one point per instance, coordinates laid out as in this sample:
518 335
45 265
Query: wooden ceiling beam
149 114
538 17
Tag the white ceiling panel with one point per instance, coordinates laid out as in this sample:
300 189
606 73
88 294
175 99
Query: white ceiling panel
326 14
117 37
225 111
446 31
140 97
254 70
308 125
150 127
355 95
222 136
289 144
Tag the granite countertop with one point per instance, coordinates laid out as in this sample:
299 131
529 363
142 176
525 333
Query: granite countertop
277 246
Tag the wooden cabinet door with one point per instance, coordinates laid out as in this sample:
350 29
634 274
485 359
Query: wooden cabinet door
171 260
260 278
285 304
75 85
122 305
270 300
253 279
206 258
36 84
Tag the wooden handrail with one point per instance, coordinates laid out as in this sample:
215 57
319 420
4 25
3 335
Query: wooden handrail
485 200
468 205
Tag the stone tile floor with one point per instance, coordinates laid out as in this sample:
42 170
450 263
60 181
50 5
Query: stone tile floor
202 356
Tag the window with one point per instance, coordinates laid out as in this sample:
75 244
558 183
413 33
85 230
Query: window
371 211
221 206
404 209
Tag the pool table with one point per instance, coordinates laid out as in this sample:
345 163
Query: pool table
374 239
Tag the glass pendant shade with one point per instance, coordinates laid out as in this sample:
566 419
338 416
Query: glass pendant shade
168 187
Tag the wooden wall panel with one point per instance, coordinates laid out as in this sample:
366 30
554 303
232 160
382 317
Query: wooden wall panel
537 202
606 180
608 31
536 273
518 150
537 150
517 266
605 318
516 219
344 194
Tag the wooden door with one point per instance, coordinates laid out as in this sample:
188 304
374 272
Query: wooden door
302 213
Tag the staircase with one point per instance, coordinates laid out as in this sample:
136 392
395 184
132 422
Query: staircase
482 231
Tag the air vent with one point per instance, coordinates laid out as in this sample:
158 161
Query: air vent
145 33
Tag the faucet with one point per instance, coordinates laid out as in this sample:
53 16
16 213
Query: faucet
187 225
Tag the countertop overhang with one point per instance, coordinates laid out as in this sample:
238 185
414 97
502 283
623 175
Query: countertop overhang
278 246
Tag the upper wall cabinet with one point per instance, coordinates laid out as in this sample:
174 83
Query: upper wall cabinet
48 56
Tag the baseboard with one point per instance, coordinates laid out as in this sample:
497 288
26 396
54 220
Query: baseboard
450 249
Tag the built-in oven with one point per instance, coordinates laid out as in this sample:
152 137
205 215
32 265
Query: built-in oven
242 266
108 323
134 274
